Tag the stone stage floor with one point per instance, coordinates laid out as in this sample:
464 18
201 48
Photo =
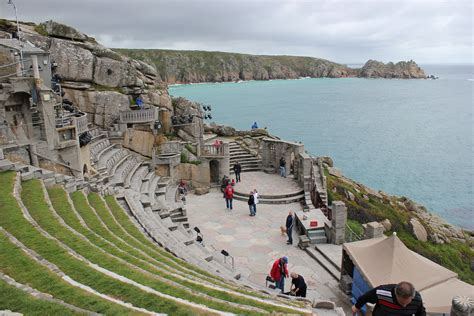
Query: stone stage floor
256 242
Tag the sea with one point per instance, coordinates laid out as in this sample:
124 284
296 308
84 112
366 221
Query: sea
410 138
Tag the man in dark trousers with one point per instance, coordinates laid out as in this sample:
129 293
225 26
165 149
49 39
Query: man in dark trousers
392 300
229 195
298 285
289 227
237 170
283 167
251 203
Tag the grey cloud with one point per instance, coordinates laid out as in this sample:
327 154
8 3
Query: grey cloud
341 30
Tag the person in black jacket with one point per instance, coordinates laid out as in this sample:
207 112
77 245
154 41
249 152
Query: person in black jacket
298 285
289 227
251 203
237 170
392 300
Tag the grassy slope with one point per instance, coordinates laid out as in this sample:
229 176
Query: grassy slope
13 221
18 301
456 256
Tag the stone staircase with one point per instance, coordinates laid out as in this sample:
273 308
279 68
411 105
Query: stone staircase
248 161
324 256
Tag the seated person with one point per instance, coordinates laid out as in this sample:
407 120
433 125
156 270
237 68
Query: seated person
254 125
298 285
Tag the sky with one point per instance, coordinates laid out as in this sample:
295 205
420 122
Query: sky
346 31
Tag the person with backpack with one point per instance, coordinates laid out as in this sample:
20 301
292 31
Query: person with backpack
279 272
229 195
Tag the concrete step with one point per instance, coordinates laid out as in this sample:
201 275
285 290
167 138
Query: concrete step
271 196
323 262
284 200
335 264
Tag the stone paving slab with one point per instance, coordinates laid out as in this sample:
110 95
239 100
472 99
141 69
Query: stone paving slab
256 242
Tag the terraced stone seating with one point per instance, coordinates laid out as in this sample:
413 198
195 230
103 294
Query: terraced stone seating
87 256
97 147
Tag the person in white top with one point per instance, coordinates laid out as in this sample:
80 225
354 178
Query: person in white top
255 200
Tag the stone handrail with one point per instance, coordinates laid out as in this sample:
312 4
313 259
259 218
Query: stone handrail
81 123
139 116
212 151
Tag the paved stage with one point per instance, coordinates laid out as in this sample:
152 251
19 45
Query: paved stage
256 242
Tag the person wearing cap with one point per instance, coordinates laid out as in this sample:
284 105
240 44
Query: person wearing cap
279 272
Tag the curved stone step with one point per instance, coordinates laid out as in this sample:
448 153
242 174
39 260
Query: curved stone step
272 196
284 200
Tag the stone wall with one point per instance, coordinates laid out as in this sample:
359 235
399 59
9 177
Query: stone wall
272 150
139 141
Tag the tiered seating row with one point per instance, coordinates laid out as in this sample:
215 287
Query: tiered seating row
77 270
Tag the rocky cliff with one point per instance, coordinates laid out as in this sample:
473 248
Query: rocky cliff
202 66
96 79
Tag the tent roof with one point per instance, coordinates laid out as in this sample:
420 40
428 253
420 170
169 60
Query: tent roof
387 260
438 298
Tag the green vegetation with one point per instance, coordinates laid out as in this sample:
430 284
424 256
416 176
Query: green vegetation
16 264
13 221
41 30
191 149
456 256
184 159
18 301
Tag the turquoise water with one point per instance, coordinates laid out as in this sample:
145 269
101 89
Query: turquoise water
405 137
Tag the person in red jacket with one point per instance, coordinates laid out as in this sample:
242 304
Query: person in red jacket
229 195
279 272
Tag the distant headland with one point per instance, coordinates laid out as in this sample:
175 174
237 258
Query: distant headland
177 66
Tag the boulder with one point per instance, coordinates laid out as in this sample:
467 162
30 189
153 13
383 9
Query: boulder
112 73
74 63
328 161
201 190
387 225
418 230
350 196
104 106
55 29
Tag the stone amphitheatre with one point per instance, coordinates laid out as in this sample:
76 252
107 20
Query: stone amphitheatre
92 151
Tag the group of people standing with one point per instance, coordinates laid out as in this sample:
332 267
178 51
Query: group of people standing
252 202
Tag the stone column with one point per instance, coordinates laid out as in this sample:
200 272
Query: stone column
338 222
224 164
33 156
462 306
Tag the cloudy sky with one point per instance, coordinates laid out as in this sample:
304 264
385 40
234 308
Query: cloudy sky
348 31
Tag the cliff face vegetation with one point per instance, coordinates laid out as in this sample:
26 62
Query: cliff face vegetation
201 66
420 230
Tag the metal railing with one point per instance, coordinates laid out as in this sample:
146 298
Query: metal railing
139 116
81 123
18 72
352 235
212 150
